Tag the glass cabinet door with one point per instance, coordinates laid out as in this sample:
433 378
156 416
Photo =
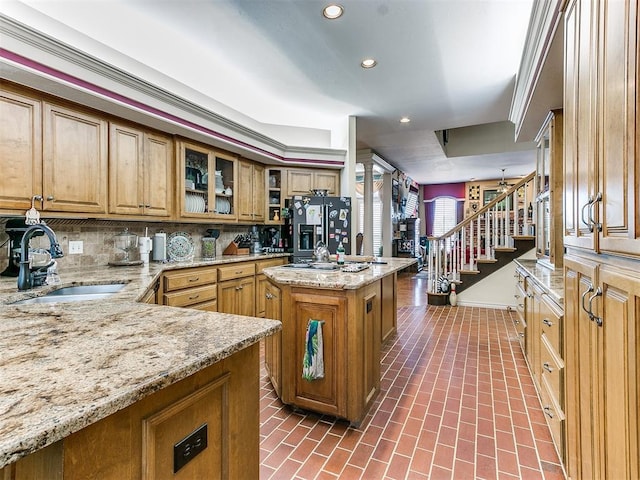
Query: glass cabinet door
209 182
224 186
196 200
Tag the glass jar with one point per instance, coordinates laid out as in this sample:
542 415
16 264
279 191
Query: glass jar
208 248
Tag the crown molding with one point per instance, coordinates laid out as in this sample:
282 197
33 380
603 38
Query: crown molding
546 17
38 58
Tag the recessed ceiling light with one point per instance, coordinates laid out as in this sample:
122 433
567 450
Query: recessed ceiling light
405 120
333 11
368 63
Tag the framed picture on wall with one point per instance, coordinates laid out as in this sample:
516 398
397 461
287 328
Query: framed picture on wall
489 195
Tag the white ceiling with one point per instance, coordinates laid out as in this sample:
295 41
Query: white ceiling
443 63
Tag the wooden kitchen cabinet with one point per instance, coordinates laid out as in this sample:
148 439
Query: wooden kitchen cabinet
302 181
207 183
520 321
140 173
191 288
74 169
601 127
602 192
548 200
20 149
262 284
273 343
236 289
351 349
602 368
137 442
275 194
251 192
389 313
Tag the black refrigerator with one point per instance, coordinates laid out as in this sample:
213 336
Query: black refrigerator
315 219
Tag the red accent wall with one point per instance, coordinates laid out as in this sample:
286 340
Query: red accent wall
455 190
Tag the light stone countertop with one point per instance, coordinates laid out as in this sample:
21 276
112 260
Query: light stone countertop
336 279
551 281
65 366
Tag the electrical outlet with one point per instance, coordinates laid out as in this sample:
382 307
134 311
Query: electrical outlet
75 247
186 449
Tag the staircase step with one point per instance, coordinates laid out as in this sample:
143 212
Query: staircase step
524 237
486 260
469 272
505 249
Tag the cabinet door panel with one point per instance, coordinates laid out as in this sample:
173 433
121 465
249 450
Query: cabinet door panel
617 381
75 161
617 127
20 150
580 357
125 170
325 394
579 158
158 176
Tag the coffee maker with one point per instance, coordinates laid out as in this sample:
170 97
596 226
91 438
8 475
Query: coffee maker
15 228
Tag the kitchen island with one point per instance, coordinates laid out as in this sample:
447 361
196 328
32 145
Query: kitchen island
356 312
108 389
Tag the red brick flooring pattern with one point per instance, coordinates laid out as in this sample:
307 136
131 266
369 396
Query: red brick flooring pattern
456 402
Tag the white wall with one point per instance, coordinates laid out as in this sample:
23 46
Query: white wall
495 291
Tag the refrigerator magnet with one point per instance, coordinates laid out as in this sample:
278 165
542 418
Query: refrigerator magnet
343 213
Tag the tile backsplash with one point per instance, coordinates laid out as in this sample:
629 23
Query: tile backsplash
97 237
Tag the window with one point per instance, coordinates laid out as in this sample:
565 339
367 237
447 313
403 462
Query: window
377 221
444 215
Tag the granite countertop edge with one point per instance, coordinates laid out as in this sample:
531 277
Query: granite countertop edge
37 411
336 279
550 280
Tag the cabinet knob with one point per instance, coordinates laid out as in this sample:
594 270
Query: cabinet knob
141 205
50 198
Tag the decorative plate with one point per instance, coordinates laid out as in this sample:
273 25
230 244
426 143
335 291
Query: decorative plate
180 247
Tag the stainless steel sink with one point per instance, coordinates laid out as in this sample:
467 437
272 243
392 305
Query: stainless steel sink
78 293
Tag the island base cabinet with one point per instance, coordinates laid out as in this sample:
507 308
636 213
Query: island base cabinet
351 350
327 394
138 442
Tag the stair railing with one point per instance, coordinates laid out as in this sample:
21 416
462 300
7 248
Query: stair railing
476 238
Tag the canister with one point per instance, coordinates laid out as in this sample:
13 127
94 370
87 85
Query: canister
159 249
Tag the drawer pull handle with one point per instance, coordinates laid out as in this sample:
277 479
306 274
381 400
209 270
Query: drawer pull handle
547 367
193 297
517 322
517 296
521 334
548 412
521 305
194 279
547 322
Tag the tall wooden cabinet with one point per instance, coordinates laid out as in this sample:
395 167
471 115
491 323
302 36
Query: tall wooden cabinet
602 239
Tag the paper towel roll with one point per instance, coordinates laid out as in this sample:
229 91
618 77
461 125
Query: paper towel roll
159 248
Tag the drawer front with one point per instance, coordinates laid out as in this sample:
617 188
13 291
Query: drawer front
551 325
552 368
191 296
554 416
211 306
190 277
272 262
238 270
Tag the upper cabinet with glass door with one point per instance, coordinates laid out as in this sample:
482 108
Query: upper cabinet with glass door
548 197
208 183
